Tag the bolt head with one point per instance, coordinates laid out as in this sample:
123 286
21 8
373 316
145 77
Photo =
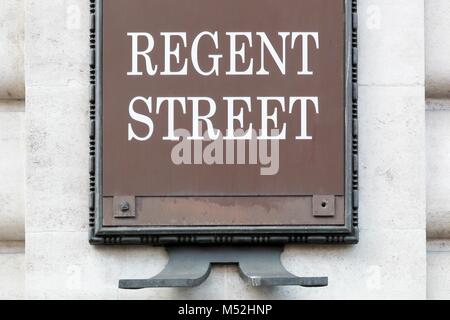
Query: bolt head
124 206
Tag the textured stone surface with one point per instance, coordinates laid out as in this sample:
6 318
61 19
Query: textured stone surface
438 168
57 156
389 262
392 158
437 29
59 52
62 265
12 85
393 45
438 269
12 270
12 170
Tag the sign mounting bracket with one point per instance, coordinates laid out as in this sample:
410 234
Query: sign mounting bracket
191 266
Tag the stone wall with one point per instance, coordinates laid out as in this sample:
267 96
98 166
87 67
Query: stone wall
390 260
12 85
438 147
404 166
12 149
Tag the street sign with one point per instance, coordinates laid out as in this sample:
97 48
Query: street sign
224 121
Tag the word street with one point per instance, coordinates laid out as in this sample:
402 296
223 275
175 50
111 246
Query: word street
269 107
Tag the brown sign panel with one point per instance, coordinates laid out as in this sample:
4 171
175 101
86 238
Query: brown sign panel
224 121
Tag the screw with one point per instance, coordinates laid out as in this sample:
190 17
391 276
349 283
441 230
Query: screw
124 206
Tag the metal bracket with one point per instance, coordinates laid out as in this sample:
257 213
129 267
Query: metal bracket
191 266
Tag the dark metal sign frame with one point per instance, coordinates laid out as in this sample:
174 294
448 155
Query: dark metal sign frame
346 234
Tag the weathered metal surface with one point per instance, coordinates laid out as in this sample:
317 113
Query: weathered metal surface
191 266
210 211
